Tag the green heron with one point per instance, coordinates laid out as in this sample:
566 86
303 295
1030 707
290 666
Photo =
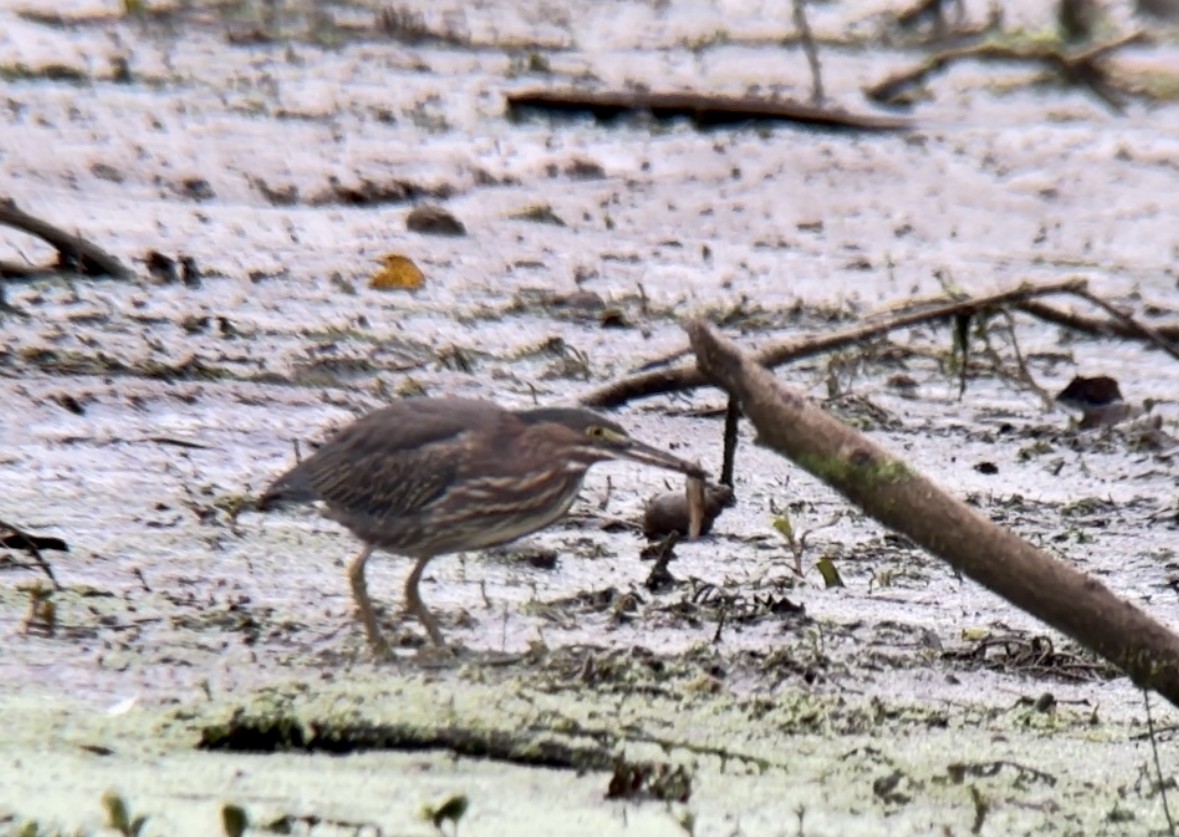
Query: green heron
429 476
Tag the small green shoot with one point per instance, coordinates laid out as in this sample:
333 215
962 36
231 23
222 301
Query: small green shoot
830 573
452 808
118 815
234 820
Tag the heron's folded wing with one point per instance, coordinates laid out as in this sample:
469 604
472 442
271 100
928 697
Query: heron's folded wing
401 457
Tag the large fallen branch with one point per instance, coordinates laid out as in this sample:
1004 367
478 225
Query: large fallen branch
886 488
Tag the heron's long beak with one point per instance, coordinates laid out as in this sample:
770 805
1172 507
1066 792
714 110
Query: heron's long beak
640 452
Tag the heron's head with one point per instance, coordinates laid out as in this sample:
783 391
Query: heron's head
595 438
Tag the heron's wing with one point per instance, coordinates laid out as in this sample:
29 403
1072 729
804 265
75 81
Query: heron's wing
375 481
417 422
392 462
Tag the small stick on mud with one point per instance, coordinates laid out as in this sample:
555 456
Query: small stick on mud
13 538
41 617
73 253
893 493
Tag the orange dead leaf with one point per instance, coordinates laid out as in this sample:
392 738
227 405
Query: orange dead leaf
399 273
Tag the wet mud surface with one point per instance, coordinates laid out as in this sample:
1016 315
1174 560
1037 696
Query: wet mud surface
200 655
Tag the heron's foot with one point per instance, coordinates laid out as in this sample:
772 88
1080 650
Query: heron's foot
440 656
492 659
536 652
381 650
375 638
435 657
426 619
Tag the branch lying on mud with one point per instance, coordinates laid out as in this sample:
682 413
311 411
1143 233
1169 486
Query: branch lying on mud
886 488
704 110
686 377
73 253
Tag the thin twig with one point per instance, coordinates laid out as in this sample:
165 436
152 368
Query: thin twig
1093 326
1158 767
732 421
1115 312
1025 374
811 50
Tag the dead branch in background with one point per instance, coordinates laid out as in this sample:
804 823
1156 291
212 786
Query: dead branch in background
890 491
74 254
1082 68
686 377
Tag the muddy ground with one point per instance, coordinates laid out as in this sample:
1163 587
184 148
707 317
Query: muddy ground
201 657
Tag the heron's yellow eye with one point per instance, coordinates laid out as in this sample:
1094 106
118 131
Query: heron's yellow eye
605 433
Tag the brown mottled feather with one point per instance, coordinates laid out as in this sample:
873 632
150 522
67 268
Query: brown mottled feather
396 459
391 476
